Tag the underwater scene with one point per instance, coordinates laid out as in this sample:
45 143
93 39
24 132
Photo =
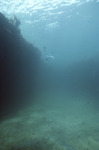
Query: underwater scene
49 74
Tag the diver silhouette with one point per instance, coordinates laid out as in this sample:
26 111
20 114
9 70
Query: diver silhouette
47 57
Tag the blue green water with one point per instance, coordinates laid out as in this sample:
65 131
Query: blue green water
64 114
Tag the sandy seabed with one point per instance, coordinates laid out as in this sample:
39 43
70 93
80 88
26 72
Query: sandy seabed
53 122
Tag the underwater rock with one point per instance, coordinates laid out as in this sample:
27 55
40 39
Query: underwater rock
19 64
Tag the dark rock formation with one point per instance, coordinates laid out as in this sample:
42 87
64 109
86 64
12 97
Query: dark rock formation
19 63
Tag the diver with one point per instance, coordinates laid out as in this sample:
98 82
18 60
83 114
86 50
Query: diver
47 57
